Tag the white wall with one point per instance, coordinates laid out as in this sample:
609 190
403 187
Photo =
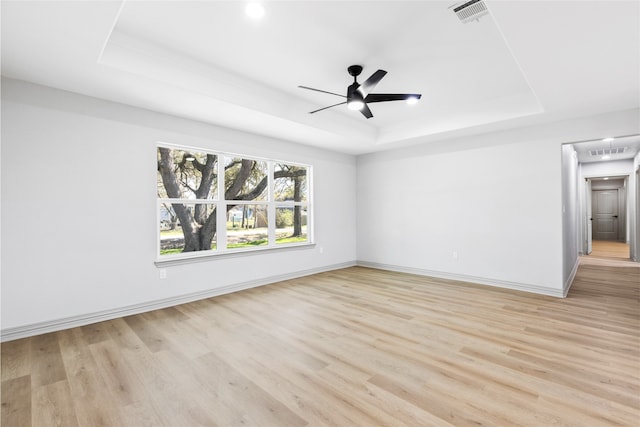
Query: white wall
635 228
498 207
611 184
570 218
499 214
78 207
611 168
79 210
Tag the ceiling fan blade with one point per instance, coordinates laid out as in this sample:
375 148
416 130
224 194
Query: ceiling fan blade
371 82
324 108
366 112
383 97
323 91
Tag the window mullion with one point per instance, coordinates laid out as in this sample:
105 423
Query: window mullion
271 208
221 209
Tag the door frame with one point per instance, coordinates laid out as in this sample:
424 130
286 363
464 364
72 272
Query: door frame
585 213
634 240
588 218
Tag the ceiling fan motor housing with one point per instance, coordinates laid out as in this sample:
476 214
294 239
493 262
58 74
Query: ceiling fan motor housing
355 70
352 92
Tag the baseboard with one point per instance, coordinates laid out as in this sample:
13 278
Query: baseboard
10 334
569 281
524 287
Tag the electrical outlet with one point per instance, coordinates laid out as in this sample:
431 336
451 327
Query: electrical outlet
163 273
455 255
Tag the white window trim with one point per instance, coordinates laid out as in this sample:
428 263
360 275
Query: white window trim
221 250
234 253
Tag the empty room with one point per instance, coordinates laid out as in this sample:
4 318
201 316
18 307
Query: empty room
320 213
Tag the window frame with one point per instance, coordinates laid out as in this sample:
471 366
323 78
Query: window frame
221 204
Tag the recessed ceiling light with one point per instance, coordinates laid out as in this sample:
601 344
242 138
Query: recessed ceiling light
606 157
608 139
605 178
254 10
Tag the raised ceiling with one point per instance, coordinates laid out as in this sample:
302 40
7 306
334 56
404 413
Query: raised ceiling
525 63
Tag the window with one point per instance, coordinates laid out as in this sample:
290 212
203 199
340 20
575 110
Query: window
212 203
290 195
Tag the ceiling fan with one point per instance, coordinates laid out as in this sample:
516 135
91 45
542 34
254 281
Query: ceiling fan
358 95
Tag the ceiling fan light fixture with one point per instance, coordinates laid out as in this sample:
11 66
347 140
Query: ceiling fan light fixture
359 97
412 100
355 105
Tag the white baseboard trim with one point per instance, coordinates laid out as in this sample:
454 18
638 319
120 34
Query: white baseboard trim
18 332
524 287
569 281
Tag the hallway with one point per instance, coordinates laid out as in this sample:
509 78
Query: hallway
610 249
609 253
608 273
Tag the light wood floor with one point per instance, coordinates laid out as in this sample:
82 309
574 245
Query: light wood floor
608 253
610 249
354 347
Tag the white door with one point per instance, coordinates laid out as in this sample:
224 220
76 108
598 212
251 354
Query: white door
605 214
589 219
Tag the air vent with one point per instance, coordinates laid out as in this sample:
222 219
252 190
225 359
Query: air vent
607 151
470 11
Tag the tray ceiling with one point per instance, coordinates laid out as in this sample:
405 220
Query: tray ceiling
525 62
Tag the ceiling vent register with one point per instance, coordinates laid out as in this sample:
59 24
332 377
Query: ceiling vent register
470 11
607 151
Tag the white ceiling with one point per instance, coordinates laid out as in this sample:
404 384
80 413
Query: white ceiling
621 148
527 62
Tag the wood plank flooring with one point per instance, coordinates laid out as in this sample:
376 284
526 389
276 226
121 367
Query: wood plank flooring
353 347
607 249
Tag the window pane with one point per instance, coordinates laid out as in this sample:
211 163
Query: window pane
245 179
290 183
186 174
247 226
291 224
195 221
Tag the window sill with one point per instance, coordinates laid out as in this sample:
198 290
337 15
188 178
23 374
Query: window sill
235 253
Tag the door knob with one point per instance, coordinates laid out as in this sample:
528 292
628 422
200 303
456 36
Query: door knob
615 216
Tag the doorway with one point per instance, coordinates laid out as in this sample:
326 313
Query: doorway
605 211
605 214
606 179
608 208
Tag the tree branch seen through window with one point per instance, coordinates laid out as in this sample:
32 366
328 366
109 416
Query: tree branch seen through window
257 204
